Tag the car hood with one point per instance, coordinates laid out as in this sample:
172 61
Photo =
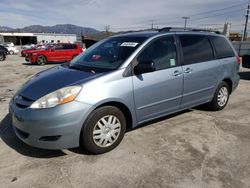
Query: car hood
53 79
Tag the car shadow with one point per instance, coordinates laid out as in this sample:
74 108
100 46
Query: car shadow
244 75
159 120
8 136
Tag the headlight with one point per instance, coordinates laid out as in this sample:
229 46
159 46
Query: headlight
58 97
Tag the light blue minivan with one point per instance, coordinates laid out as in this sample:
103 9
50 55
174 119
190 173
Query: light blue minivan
121 82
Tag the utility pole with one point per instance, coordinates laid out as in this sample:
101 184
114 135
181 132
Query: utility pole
152 24
185 24
245 29
107 28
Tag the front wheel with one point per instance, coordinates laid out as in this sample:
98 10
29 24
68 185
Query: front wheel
103 130
11 52
221 97
41 60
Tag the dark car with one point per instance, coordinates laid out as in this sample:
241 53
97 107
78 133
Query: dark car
2 55
246 60
5 50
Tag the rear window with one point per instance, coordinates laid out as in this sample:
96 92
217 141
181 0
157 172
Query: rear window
222 47
196 49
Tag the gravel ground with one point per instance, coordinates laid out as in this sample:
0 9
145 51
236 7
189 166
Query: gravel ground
194 148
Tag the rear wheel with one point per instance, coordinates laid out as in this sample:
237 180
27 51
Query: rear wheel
41 60
221 97
11 52
2 57
103 130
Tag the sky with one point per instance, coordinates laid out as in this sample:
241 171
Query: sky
123 14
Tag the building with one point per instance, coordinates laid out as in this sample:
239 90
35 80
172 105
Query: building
34 38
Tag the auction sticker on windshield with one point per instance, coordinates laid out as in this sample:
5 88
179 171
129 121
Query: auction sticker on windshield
129 44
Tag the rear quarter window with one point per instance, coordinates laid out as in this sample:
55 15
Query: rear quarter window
196 49
222 47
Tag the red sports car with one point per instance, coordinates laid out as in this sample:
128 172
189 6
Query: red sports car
60 52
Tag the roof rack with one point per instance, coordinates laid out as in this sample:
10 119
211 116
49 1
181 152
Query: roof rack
175 29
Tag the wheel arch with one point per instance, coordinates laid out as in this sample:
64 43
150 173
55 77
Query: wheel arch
43 56
125 110
230 84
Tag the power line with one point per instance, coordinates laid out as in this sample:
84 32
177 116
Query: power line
201 13
196 17
217 10
225 13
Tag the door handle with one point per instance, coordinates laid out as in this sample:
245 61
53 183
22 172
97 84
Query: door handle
177 73
188 70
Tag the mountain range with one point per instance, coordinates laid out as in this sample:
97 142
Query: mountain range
59 28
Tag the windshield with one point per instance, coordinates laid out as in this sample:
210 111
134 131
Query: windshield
108 54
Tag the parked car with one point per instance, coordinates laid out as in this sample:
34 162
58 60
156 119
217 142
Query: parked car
246 60
10 44
121 82
5 50
24 52
28 46
2 55
60 52
11 49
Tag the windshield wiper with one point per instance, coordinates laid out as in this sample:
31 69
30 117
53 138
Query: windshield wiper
81 68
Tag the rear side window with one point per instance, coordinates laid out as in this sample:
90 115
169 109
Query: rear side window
222 48
59 47
196 49
70 46
66 46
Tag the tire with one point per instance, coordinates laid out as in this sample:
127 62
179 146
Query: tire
220 98
41 60
2 57
11 52
98 135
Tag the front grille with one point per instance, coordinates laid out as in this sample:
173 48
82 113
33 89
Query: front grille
22 102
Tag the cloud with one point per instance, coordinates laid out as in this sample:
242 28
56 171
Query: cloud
119 14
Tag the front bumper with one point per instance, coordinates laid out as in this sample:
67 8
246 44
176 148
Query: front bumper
31 59
54 128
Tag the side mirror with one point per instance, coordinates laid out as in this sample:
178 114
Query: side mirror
144 67
245 59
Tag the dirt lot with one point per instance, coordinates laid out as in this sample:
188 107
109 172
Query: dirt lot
195 148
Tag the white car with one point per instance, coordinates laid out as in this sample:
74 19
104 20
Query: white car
11 44
28 46
11 49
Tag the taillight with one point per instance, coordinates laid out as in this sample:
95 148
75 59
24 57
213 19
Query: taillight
238 60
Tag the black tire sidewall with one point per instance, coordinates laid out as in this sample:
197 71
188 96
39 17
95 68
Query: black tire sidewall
214 104
2 57
86 139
